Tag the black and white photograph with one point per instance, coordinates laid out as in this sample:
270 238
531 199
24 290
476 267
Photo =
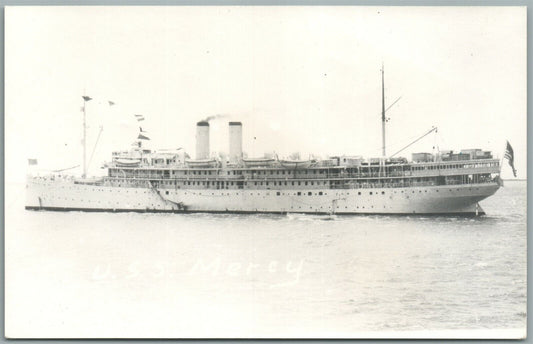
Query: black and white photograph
266 172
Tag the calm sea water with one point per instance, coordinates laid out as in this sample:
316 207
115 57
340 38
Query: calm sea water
201 275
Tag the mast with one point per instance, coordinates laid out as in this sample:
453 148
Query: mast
84 141
383 110
85 100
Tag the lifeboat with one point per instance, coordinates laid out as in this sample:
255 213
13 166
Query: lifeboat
201 163
297 164
258 162
128 162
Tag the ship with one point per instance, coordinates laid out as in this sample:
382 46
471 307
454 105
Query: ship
143 180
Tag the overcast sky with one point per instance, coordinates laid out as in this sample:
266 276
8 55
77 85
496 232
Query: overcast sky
299 78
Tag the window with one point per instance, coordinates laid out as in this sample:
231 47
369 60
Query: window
278 193
299 193
320 193
309 193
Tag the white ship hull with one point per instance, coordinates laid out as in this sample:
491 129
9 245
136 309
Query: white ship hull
448 199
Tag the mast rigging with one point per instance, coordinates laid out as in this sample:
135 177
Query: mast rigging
383 110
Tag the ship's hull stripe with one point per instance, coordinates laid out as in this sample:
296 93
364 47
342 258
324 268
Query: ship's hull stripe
461 214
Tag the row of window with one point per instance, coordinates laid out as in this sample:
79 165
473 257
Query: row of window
455 166
271 183
313 171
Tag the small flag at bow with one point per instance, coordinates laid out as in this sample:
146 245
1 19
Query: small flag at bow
509 155
111 103
139 117
86 98
32 162
142 137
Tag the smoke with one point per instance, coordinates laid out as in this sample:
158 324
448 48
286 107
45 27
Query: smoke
210 118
